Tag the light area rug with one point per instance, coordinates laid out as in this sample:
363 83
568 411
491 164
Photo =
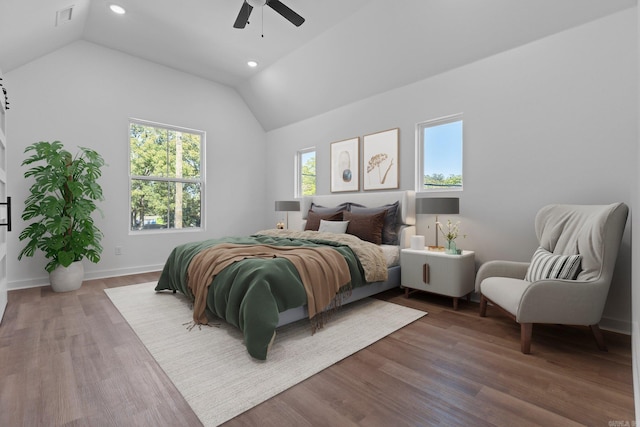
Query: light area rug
210 365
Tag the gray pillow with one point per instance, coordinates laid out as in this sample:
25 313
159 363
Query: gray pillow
324 210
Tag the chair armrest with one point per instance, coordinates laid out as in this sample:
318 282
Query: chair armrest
546 301
511 269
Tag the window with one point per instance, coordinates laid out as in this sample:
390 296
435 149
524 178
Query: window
166 179
306 172
439 154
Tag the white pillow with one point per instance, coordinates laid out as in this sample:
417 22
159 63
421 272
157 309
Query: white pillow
545 265
338 227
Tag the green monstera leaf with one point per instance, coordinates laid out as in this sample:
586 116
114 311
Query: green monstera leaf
62 200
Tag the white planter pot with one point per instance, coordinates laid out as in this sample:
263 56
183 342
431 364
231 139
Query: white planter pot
65 279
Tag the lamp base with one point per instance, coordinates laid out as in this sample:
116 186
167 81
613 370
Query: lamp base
435 248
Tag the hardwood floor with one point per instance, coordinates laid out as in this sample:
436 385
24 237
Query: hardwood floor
71 360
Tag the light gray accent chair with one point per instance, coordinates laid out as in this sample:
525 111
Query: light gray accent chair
592 231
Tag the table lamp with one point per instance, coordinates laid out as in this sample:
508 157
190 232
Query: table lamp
438 205
287 206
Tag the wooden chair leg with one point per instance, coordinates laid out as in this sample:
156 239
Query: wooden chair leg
483 306
597 334
526 329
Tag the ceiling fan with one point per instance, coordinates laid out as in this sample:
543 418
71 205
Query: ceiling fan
248 5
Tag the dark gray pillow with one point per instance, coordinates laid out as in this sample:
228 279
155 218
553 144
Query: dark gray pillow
389 230
324 210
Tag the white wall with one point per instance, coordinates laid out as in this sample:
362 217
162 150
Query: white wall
550 122
84 94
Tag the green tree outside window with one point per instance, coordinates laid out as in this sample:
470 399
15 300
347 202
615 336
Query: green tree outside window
166 186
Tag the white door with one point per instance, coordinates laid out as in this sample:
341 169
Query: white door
5 203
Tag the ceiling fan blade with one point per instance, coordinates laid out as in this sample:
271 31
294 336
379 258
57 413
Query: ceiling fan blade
287 13
243 15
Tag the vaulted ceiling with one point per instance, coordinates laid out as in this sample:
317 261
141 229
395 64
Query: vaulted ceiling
346 50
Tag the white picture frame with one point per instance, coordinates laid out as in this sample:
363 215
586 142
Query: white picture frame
345 165
381 160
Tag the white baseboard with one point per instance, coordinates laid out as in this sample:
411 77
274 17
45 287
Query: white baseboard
615 325
91 275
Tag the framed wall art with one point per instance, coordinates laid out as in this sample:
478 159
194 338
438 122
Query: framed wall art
380 154
345 165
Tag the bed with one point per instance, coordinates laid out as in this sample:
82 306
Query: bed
260 282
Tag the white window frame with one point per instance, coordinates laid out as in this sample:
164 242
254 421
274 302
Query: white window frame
298 170
201 180
420 152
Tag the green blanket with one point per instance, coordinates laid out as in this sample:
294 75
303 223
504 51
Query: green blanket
251 293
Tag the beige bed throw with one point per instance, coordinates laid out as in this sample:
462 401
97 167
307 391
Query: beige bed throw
369 254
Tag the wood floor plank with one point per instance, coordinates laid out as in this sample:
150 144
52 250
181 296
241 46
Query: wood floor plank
72 360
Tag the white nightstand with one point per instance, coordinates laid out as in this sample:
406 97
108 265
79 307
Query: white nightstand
438 272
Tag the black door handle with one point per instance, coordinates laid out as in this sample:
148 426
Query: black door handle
8 205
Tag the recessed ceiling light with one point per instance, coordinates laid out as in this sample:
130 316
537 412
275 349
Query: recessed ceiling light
252 64
117 9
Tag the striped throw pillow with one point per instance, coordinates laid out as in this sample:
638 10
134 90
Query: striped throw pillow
545 265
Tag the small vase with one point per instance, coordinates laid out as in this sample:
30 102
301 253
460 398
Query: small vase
450 247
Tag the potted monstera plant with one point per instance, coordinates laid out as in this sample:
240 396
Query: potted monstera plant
60 205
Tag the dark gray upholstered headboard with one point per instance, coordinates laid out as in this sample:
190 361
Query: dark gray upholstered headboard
406 207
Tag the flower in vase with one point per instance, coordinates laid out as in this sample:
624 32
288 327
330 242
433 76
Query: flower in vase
450 231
